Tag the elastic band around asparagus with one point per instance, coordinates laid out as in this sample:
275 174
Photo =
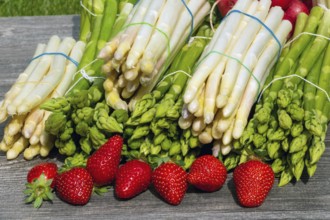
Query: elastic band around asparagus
131 30
50 81
144 33
251 58
151 81
239 51
19 83
157 44
208 64
38 73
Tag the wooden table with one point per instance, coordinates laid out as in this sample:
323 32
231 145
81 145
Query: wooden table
18 40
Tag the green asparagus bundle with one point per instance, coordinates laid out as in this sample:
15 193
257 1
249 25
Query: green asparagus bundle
81 119
289 125
152 132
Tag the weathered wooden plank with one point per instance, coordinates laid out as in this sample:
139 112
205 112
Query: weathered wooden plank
18 39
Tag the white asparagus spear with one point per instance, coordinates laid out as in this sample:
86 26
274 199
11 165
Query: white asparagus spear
265 63
17 148
15 125
50 81
38 73
198 124
225 149
128 37
10 139
31 151
213 81
144 34
183 24
186 122
228 135
110 47
216 148
239 51
19 83
206 136
164 60
70 70
273 20
31 122
203 70
196 104
158 42
216 134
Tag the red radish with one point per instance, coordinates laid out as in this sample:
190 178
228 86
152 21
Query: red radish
293 10
225 5
284 4
308 3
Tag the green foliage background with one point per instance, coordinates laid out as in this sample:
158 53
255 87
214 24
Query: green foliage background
38 7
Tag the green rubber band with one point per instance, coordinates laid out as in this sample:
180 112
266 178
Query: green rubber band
160 31
233 58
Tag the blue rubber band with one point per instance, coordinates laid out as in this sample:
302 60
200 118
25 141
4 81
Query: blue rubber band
57 53
265 26
192 19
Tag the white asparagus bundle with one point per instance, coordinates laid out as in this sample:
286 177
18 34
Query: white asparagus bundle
176 43
19 83
139 54
322 3
26 132
231 71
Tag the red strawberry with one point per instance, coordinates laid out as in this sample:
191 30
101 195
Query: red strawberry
40 183
74 186
48 169
207 173
170 181
132 178
103 163
253 180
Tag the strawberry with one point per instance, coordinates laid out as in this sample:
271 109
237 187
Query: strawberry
132 178
40 183
207 173
170 181
103 163
253 180
48 169
74 186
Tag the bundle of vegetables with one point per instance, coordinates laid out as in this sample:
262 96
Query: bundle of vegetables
81 119
152 36
231 71
47 76
324 3
152 131
289 125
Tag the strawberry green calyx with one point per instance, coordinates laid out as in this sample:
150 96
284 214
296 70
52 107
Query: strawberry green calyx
38 191
77 160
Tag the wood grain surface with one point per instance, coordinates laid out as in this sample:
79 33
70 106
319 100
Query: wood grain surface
307 199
